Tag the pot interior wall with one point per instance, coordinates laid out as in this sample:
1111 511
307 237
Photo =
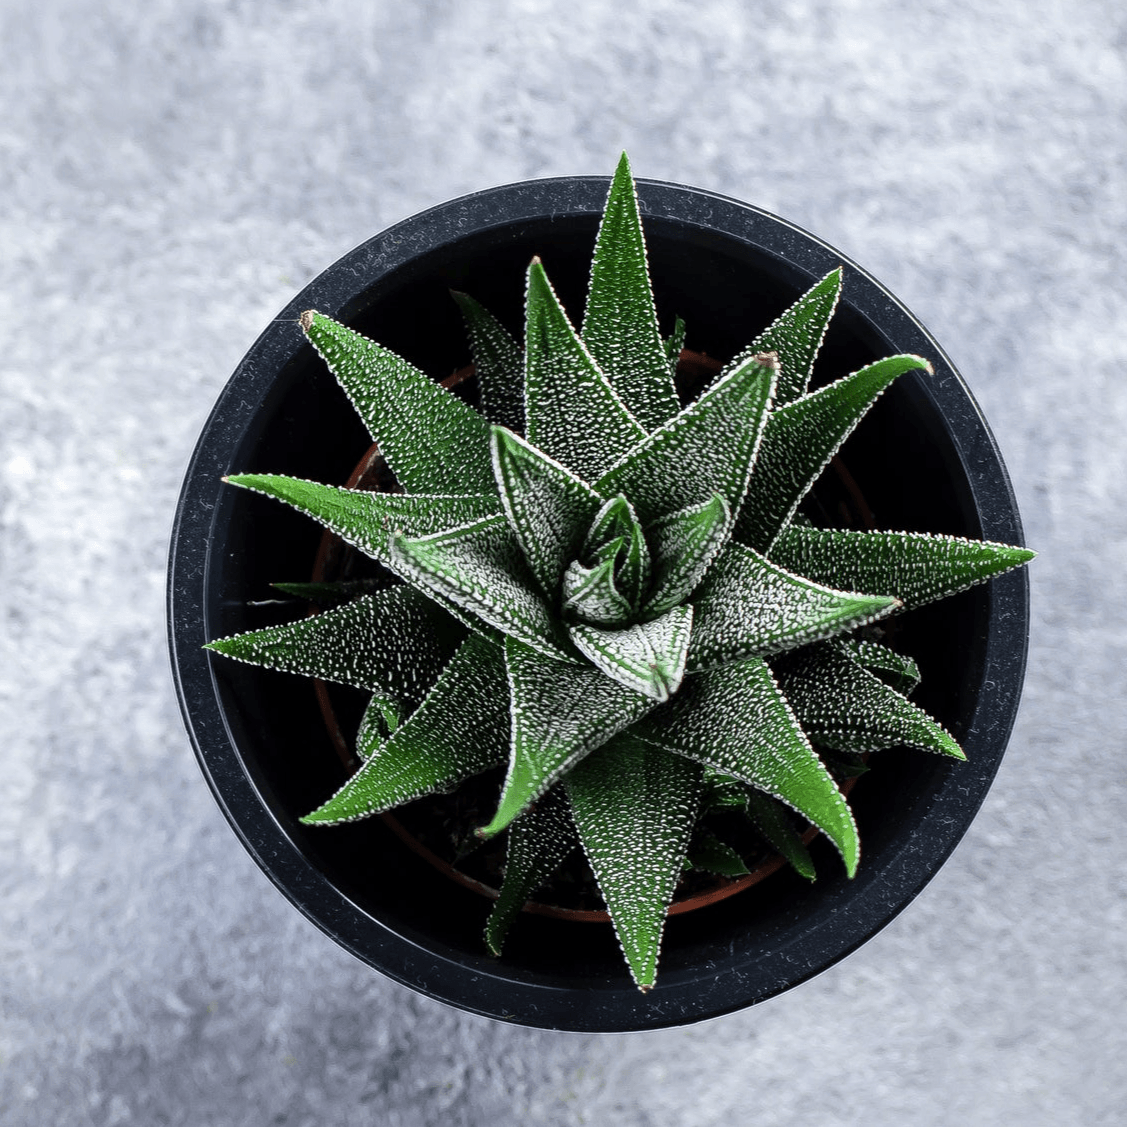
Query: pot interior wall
726 291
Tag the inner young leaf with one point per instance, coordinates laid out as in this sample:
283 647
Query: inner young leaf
616 535
648 656
591 594
548 507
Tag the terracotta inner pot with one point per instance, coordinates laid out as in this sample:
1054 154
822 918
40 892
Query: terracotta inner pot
335 560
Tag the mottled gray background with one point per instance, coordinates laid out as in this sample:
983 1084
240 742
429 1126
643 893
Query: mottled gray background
172 172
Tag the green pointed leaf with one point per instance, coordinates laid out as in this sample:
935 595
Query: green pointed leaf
481 569
709 853
381 718
539 841
498 364
724 792
609 552
433 442
635 807
461 729
674 345
590 594
333 593
736 720
367 520
616 534
894 669
561 713
648 657
799 441
616 520
773 822
572 412
796 336
684 544
709 447
845 707
748 606
620 323
916 567
394 643
548 507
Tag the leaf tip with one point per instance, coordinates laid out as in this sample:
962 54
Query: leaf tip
306 320
503 438
871 607
666 680
833 280
921 362
538 285
718 503
848 844
399 546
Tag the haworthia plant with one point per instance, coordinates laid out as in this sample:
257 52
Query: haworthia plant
616 595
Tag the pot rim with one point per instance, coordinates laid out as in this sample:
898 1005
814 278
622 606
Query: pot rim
481 986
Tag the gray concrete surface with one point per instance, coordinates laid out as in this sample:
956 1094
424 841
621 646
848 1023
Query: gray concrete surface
172 172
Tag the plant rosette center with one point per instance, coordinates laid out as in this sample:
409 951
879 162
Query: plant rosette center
615 596
605 586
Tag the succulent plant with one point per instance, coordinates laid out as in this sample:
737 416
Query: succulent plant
614 594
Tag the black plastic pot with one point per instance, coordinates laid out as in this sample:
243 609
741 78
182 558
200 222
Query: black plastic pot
924 459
